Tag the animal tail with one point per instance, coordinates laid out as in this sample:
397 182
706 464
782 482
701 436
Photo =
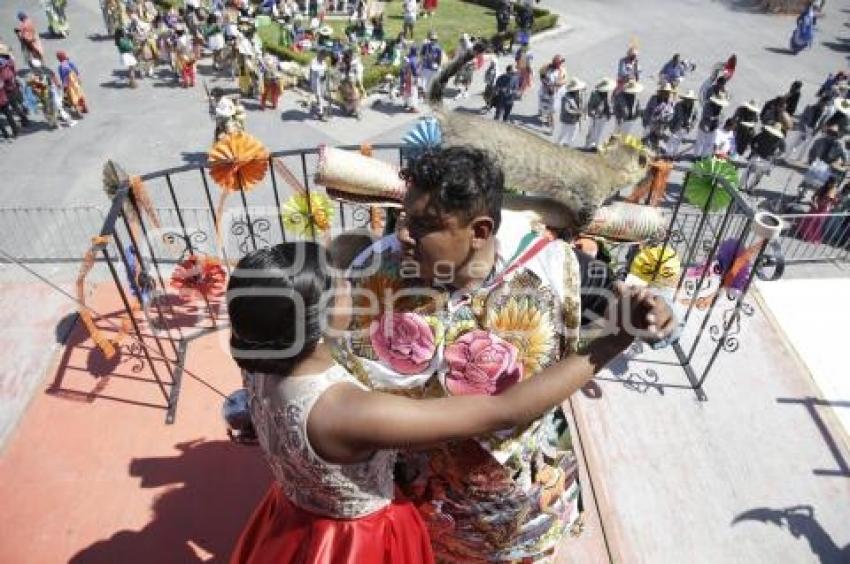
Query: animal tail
435 92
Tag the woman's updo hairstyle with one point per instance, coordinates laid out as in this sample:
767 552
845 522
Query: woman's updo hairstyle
276 302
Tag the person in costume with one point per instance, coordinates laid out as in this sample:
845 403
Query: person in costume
628 69
72 86
571 112
463 79
249 52
599 113
229 114
48 91
409 77
214 37
144 43
627 109
11 89
553 77
811 121
803 35
475 272
28 36
271 82
747 117
685 114
765 149
506 90
319 83
674 71
126 52
708 124
430 60
348 89
184 57
811 228
657 117
57 20
331 441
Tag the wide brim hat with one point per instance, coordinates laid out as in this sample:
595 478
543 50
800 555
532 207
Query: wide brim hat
842 105
633 87
575 84
225 108
748 124
720 101
665 87
326 30
4 49
774 130
689 95
605 85
751 105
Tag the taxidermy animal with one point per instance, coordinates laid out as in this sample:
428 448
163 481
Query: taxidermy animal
563 185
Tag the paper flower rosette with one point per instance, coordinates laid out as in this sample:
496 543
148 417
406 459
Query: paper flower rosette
657 265
199 274
703 178
308 216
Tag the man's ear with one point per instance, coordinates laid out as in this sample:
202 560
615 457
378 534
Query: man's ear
483 228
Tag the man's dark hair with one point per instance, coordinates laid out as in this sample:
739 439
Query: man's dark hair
461 181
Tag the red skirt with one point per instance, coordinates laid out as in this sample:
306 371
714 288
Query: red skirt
281 532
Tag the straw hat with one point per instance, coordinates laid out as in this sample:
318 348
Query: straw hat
665 87
606 85
575 84
752 105
748 124
774 130
35 63
721 101
4 49
633 87
326 30
225 108
689 95
842 105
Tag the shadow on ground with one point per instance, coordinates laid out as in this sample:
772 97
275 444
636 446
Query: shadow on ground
800 521
215 486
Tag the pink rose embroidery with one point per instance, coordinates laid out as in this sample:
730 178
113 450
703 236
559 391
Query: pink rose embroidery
404 341
481 363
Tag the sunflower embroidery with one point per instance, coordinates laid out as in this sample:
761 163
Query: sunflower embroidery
523 323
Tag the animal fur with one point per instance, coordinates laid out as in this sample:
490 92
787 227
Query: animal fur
565 186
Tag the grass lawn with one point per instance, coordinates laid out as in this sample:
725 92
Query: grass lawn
452 18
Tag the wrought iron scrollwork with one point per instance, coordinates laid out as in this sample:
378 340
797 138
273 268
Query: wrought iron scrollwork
729 339
190 242
246 237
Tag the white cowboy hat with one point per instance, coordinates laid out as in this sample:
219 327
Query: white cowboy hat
633 87
774 130
606 85
721 101
575 84
842 105
748 124
842 85
326 30
665 87
752 105
225 108
689 95
35 63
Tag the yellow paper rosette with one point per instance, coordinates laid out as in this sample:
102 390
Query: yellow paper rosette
303 219
646 262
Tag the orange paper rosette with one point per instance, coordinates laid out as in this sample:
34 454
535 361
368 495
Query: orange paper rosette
238 160
201 274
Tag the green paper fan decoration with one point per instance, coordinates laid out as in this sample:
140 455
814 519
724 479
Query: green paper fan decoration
701 178
297 216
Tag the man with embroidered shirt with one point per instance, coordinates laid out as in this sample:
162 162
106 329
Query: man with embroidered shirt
468 288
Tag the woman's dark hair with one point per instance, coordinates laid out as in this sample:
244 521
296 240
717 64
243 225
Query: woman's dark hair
461 181
275 299
827 186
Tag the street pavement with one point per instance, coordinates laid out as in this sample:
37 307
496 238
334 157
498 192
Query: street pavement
160 125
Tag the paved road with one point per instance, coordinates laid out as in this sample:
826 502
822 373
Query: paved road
161 125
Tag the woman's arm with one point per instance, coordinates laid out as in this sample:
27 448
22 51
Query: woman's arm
347 424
